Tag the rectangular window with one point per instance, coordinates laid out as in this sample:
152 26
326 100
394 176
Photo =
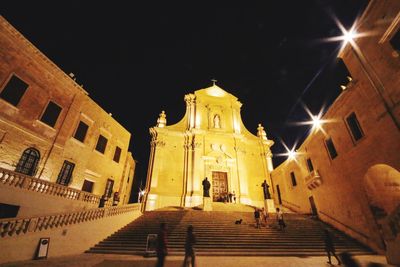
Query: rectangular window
109 188
87 186
293 177
51 114
354 126
101 144
309 165
395 41
65 175
14 90
117 154
81 131
331 148
8 211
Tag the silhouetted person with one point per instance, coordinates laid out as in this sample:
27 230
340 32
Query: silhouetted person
257 217
330 247
206 187
230 197
348 260
162 245
279 217
189 247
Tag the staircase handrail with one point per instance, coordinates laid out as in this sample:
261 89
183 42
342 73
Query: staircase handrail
391 224
345 225
23 181
10 227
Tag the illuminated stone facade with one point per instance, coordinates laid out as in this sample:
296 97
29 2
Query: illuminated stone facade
50 128
354 179
210 141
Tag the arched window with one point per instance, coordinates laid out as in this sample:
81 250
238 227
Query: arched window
28 162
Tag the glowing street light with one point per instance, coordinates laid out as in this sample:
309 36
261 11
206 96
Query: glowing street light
291 154
316 122
367 68
348 36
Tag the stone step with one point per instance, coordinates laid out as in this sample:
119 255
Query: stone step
240 252
218 235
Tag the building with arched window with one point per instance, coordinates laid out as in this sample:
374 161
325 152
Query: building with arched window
53 135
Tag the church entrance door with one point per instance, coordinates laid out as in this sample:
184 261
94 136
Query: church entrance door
220 186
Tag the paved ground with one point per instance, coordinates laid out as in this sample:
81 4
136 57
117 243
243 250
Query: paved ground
104 260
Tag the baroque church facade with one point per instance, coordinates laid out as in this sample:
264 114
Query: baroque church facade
209 141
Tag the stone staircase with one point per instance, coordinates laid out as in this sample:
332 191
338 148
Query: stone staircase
217 234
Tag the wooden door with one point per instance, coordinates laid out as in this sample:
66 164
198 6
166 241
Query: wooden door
219 186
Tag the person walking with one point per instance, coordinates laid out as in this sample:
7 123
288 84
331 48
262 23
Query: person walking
257 217
264 215
190 256
162 245
230 197
329 246
279 217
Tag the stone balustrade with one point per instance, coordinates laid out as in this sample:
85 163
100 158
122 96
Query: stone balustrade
313 180
12 227
27 182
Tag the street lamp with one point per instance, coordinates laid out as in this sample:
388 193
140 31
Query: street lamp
291 154
350 37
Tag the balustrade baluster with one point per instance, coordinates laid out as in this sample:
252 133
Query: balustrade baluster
17 227
10 227
56 221
4 226
14 180
39 223
25 229
6 178
63 220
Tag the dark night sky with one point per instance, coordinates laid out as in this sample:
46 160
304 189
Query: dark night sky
137 58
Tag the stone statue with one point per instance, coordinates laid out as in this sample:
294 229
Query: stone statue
206 187
216 121
265 187
162 119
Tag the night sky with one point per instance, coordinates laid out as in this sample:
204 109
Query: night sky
137 58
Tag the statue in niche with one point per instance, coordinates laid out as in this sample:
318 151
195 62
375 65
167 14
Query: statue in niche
217 121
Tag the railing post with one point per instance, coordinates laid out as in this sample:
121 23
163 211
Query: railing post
26 182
